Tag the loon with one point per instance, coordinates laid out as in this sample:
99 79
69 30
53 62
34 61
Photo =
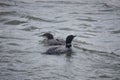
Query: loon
51 41
61 49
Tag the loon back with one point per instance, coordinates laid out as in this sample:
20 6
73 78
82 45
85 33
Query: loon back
54 42
57 50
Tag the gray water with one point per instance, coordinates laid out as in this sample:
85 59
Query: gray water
95 49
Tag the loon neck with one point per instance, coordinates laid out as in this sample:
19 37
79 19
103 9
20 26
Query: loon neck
68 45
69 41
50 37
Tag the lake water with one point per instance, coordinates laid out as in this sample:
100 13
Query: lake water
96 49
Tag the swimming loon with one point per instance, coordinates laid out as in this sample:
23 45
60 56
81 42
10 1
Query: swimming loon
61 49
51 41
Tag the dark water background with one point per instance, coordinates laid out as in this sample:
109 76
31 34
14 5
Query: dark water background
96 48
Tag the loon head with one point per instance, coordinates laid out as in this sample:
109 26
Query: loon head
48 35
69 40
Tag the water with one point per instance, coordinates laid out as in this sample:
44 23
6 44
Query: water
95 49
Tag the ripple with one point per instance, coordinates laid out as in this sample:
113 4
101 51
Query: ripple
5 74
84 25
112 19
87 19
90 34
21 51
13 44
99 52
105 76
48 78
90 50
107 10
84 36
62 2
116 32
68 29
7 13
95 13
43 20
17 51
1 46
92 31
106 5
18 61
117 49
35 18
2 20
74 13
15 22
16 70
4 4
5 37
4 61
83 42
108 41
48 6
116 79
62 75
31 28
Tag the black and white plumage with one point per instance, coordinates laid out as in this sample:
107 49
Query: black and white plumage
62 49
51 41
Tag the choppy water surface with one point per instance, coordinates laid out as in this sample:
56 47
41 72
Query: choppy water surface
95 49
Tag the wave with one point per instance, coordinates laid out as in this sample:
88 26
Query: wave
99 52
16 70
116 32
7 13
15 22
31 28
63 2
5 5
5 37
42 20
